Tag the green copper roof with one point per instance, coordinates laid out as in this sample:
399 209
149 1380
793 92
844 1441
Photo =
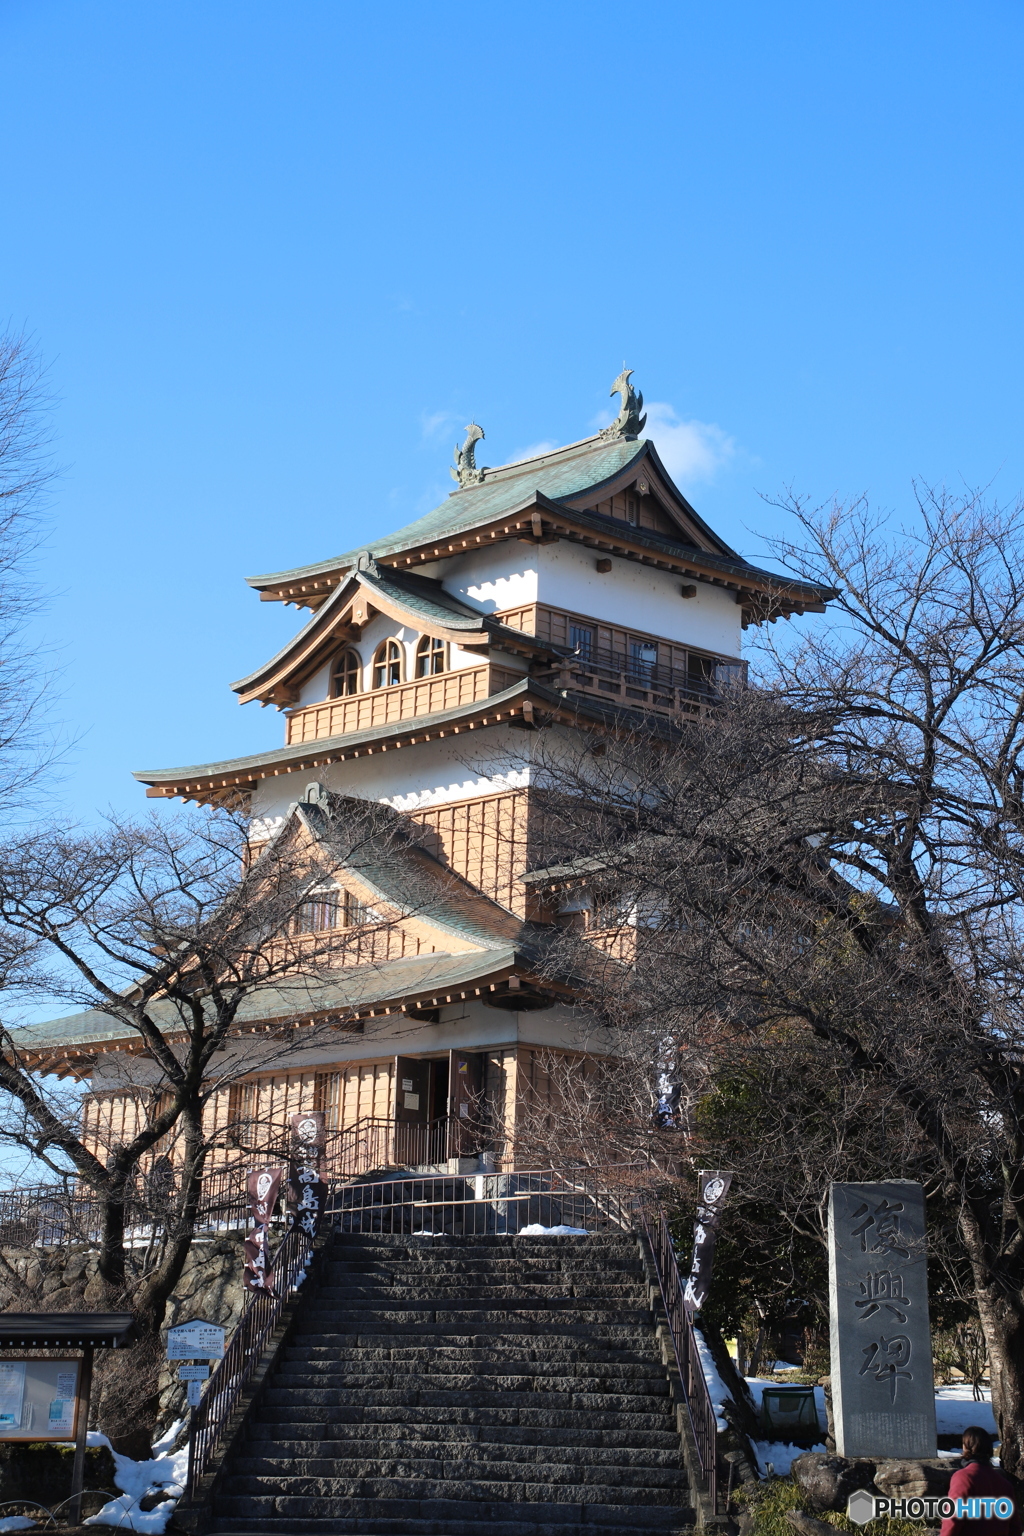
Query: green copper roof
563 473
279 756
350 989
584 707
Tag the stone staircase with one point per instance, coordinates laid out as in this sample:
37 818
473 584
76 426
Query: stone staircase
465 1386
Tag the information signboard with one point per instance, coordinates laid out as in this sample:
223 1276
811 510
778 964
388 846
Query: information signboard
195 1340
38 1399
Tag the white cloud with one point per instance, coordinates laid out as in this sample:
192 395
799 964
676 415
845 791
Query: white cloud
532 451
436 424
690 450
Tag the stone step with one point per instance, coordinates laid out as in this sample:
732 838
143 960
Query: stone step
518 1412
316 1457
485 1305
537 1350
467 1320
323 1371
348 1382
247 1471
490 1395
314 1492
411 1525
471 1288
441 1505
437 1264
317 1440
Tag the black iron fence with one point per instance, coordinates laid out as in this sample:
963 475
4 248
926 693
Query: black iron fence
246 1349
699 1405
482 1204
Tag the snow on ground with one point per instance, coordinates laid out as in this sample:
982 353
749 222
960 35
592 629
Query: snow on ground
17 1523
536 1230
137 1478
955 1409
779 1454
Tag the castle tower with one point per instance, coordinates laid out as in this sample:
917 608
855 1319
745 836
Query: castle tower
562 589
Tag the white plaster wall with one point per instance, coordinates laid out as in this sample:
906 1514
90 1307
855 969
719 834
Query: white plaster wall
315 688
490 578
637 597
430 773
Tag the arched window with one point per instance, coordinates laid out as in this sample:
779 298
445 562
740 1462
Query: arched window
387 664
345 674
431 656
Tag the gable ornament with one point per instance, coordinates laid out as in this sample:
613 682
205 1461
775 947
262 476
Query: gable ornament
629 422
464 469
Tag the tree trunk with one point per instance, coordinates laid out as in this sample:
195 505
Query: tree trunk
1002 1318
112 1260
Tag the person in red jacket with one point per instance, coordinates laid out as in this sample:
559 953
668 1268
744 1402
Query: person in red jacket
980 1480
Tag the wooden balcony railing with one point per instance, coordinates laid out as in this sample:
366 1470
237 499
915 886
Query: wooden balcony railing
402 701
636 684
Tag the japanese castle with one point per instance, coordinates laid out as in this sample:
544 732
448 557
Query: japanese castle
562 590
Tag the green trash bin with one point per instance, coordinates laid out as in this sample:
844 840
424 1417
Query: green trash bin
789 1412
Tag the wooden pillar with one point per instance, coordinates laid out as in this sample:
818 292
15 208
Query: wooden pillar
81 1430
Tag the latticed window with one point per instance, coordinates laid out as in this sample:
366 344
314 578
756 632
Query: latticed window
327 1097
345 676
431 656
387 664
241 1111
331 908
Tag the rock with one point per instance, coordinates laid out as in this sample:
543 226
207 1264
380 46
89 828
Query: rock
826 1481
914 1479
151 1500
807 1525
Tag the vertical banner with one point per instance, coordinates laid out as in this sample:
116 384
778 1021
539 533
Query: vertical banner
307 1191
712 1188
263 1186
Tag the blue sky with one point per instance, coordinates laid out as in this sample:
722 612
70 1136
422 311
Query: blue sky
278 255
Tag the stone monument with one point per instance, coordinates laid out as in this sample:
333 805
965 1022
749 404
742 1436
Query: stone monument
883 1395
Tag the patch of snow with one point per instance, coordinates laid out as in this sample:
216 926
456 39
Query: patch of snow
955 1409
780 1453
17 1523
137 1478
716 1386
166 1441
536 1230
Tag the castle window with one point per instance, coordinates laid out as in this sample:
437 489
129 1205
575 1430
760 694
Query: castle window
581 638
387 664
330 908
643 658
345 674
431 656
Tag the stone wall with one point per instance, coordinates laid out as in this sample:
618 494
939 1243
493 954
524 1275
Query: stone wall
66 1280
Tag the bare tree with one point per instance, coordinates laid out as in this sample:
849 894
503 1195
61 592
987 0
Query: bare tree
834 860
185 947
26 470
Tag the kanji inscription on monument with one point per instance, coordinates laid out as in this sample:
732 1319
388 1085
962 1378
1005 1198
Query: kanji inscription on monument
883 1395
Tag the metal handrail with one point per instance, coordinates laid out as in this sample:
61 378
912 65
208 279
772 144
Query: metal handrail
235 1370
696 1393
